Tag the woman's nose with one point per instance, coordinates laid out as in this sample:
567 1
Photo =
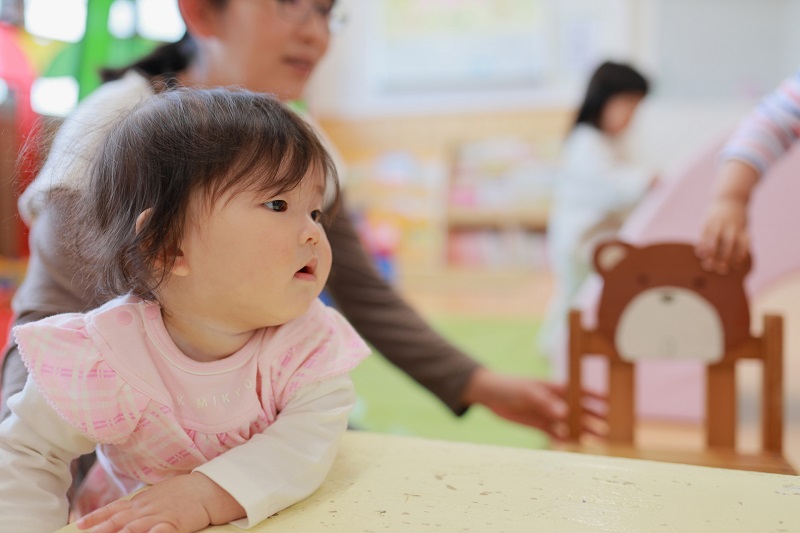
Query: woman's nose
314 28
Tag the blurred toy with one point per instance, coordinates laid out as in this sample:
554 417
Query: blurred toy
657 303
674 212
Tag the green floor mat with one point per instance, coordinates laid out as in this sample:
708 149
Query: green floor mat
390 402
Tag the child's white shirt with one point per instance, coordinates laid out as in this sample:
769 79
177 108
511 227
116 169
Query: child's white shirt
596 180
594 191
273 471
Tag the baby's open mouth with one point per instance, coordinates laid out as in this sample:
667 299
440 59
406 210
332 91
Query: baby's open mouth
310 268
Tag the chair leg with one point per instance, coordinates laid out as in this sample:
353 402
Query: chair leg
772 385
721 411
574 384
621 402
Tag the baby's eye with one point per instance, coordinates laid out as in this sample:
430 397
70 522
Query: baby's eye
316 215
279 206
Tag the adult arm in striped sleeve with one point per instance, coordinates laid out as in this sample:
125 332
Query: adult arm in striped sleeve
762 138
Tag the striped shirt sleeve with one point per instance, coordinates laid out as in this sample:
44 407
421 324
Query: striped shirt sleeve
770 130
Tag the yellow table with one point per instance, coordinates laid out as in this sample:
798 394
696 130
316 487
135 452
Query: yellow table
390 483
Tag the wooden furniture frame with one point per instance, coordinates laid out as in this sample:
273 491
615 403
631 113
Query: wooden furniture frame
721 412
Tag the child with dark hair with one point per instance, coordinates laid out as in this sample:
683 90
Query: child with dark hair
204 212
596 188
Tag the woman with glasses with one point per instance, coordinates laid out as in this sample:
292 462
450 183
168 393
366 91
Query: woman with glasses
267 46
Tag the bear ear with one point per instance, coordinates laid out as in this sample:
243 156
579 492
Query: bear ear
609 254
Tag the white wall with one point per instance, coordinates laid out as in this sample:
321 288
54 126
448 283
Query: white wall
712 50
574 33
709 60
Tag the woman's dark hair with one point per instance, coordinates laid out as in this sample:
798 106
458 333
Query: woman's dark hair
166 61
610 79
173 147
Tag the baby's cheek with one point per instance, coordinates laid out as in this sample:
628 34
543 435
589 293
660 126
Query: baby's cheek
325 258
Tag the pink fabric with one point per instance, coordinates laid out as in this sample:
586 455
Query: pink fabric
115 375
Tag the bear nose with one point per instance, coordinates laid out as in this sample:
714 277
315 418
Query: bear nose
666 297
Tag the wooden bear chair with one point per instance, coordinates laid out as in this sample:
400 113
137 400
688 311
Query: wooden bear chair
658 303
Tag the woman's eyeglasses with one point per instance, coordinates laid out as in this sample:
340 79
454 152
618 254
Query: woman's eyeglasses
298 11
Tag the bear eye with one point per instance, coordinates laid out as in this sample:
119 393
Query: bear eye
643 279
699 282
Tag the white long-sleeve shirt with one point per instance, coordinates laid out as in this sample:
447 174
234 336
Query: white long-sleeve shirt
281 466
263 423
597 180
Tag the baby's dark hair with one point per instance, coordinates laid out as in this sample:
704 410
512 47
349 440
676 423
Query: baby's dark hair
610 79
168 149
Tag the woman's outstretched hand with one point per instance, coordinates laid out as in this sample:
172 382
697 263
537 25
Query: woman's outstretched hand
532 402
181 504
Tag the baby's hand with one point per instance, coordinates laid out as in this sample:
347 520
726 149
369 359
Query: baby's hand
725 242
182 504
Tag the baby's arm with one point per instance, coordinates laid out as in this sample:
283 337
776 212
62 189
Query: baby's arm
279 467
36 449
290 459
179 504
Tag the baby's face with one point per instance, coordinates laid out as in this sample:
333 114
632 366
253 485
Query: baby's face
258 261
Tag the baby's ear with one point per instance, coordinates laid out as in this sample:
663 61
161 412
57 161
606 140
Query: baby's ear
180 266
142 219
609 254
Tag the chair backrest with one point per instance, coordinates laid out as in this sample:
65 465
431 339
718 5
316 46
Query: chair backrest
658 303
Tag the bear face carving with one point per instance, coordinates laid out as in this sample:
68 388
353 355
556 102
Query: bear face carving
659 303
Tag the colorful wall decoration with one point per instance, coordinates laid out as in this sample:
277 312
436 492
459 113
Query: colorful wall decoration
51 52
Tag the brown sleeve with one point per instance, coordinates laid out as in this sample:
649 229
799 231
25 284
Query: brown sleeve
51 286
381 316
